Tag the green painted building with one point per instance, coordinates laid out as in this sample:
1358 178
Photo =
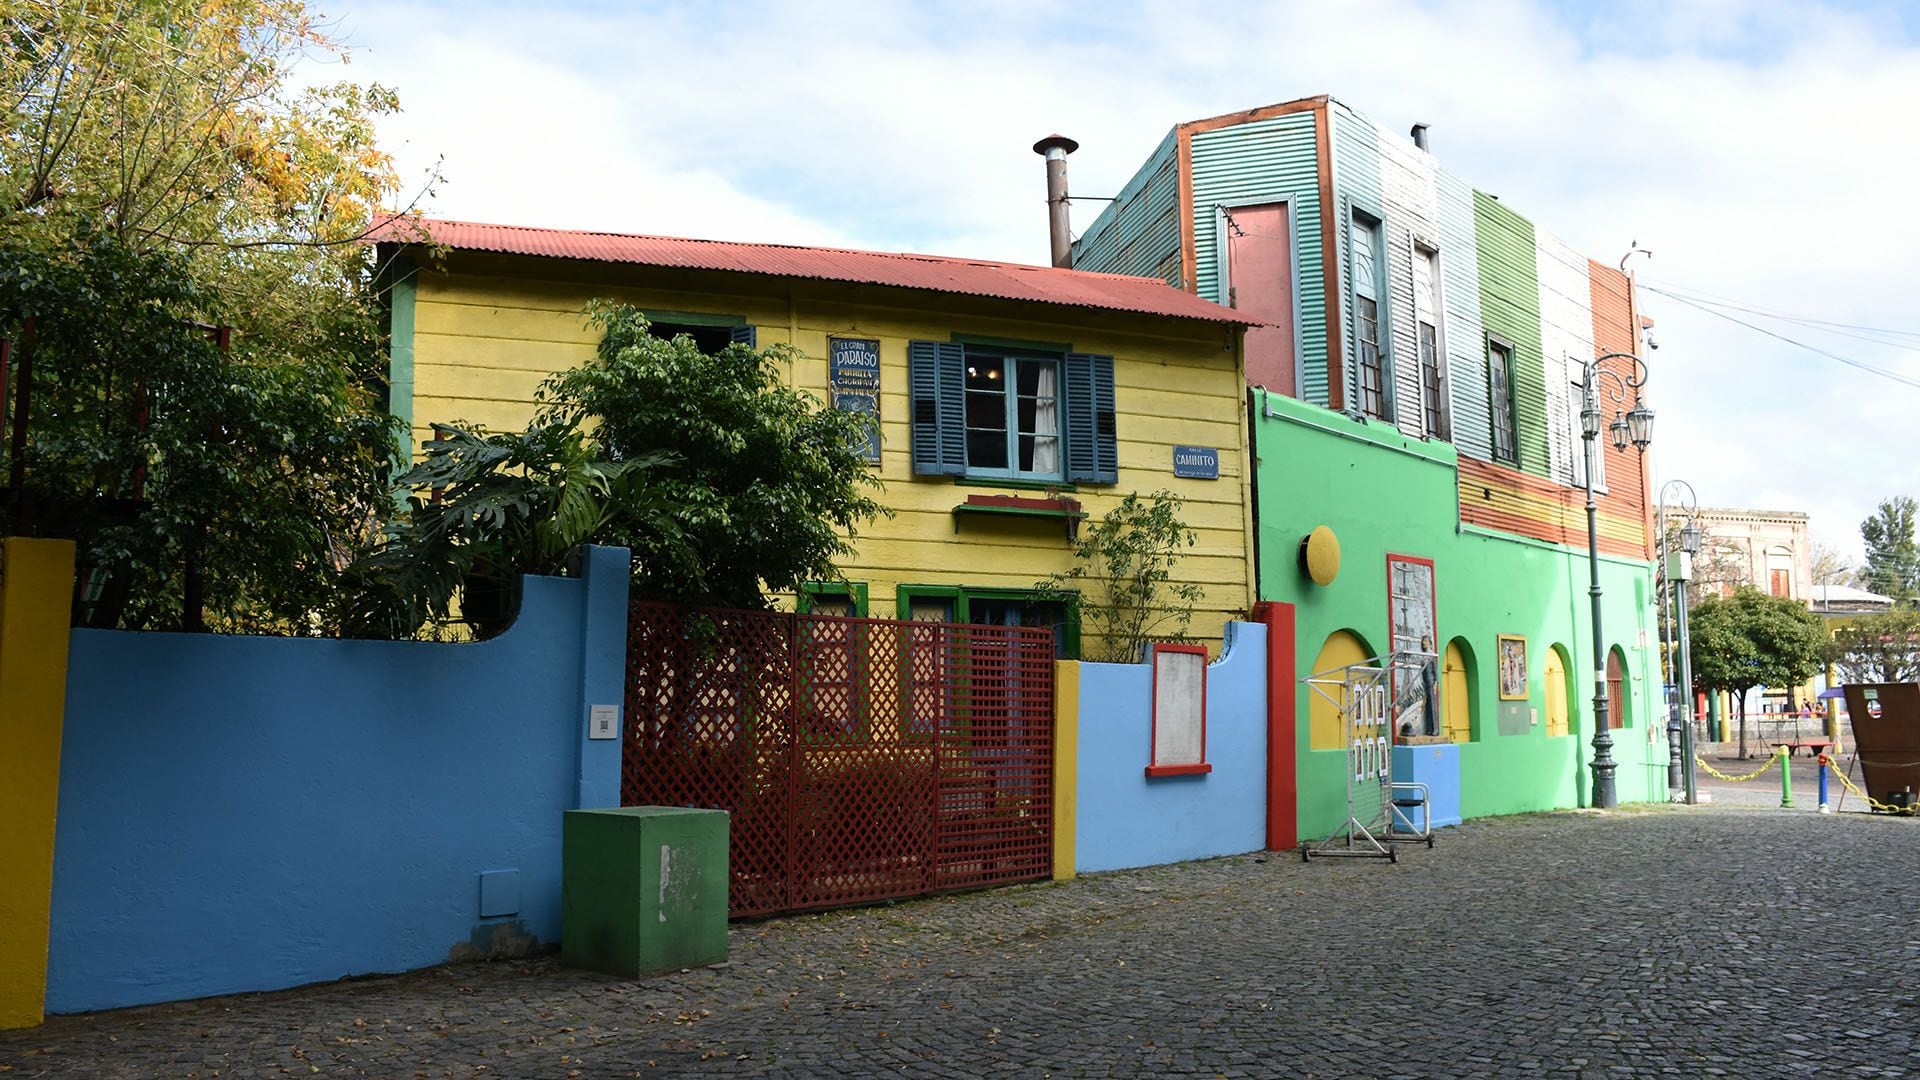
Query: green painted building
1416 391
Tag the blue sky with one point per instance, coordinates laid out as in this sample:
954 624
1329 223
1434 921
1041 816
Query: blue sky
1766 152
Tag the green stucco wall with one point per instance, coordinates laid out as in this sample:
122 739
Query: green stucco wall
1382 492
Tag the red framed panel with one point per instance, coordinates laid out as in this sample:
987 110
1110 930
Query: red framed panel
1184 768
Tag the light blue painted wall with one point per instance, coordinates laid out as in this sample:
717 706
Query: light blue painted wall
249 813
1128 820
1356 184
1266 161
1139 231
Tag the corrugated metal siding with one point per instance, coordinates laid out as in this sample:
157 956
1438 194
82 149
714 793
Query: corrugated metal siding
1139 230
1356 179
1267 160
1406 178
1510 307
1466 337
1495 497
1613 331
1566 342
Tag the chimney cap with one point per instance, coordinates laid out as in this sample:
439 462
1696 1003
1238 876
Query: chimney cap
1065 144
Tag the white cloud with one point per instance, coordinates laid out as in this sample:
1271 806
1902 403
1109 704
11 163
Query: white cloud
1760 148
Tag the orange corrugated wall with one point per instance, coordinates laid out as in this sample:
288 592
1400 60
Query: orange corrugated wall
1496 497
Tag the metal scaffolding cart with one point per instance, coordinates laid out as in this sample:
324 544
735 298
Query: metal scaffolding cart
1372 699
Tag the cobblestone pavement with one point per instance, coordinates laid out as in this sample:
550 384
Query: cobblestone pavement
1718 941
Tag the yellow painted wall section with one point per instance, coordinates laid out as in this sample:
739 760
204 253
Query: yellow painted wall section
36 597
488 329
1066 765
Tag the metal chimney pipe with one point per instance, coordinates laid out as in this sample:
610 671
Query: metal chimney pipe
1419 134
1055 149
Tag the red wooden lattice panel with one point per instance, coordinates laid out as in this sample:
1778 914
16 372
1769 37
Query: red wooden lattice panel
861 759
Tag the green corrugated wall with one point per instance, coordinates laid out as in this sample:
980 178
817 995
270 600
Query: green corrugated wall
1510 308
1261 161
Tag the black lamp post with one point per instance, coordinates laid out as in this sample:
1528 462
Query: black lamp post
1632 427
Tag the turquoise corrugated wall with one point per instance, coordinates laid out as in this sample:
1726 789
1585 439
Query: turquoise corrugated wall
1356 179
1510 307
1267 160
1466 337
1139 231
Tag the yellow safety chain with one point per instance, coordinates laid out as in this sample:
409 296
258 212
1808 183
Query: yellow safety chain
1848 783
1772 760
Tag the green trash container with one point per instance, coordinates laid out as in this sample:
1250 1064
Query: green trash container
644 889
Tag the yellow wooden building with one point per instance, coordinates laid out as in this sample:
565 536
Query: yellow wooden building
1011 399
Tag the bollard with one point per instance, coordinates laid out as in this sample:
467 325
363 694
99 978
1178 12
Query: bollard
1824 808
1786 778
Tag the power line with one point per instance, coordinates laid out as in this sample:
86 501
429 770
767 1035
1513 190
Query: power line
1824 326
1747 306
1847 360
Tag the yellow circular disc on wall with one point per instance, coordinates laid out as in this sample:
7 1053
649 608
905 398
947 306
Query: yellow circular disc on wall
1320 555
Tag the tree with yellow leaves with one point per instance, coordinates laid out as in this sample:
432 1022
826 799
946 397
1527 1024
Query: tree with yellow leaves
164 172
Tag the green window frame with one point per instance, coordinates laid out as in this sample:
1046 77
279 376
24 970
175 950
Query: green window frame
710 333
963 600
808 596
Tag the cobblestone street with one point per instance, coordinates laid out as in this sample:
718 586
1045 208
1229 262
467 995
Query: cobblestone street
1723 941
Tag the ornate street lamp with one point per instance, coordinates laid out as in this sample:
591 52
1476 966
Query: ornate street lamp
1635 428
1676 571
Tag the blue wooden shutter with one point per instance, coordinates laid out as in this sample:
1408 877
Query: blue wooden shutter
1093 453
743 335
937 385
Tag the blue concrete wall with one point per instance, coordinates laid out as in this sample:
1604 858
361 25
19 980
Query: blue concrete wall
1126 819
246 813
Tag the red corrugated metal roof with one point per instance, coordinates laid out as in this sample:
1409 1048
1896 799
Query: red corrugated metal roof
970 277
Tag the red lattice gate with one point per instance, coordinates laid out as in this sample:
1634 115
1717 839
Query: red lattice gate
861 759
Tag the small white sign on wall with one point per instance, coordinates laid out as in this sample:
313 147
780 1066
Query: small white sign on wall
1179 711
603 721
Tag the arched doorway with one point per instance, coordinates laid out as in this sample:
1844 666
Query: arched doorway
1559 714
1456 699
1619 708
1325 730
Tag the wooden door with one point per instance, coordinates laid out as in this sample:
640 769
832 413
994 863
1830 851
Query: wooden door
1260 283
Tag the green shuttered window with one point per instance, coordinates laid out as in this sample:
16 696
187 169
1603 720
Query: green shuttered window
989 412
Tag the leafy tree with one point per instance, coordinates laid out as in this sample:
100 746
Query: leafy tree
1123 571
486 509
195 478
159 168
1878 648
768 486
1751 639
1892 566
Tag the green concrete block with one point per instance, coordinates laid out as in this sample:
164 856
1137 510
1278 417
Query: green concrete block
644 889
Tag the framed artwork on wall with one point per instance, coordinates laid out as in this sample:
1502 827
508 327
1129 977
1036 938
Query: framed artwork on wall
1513 667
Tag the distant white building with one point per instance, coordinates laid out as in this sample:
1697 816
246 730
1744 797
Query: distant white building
1768 549
1838 600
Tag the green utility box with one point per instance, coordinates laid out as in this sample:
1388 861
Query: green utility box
643 889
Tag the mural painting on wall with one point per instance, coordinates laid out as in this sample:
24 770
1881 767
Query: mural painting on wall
1411 632
1513 668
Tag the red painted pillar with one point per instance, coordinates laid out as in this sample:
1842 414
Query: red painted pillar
1283 782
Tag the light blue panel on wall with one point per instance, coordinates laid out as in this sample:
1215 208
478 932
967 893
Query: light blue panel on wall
249 813
1260 161
1356 182
1465 336
1139 231
1436 765
1126 819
